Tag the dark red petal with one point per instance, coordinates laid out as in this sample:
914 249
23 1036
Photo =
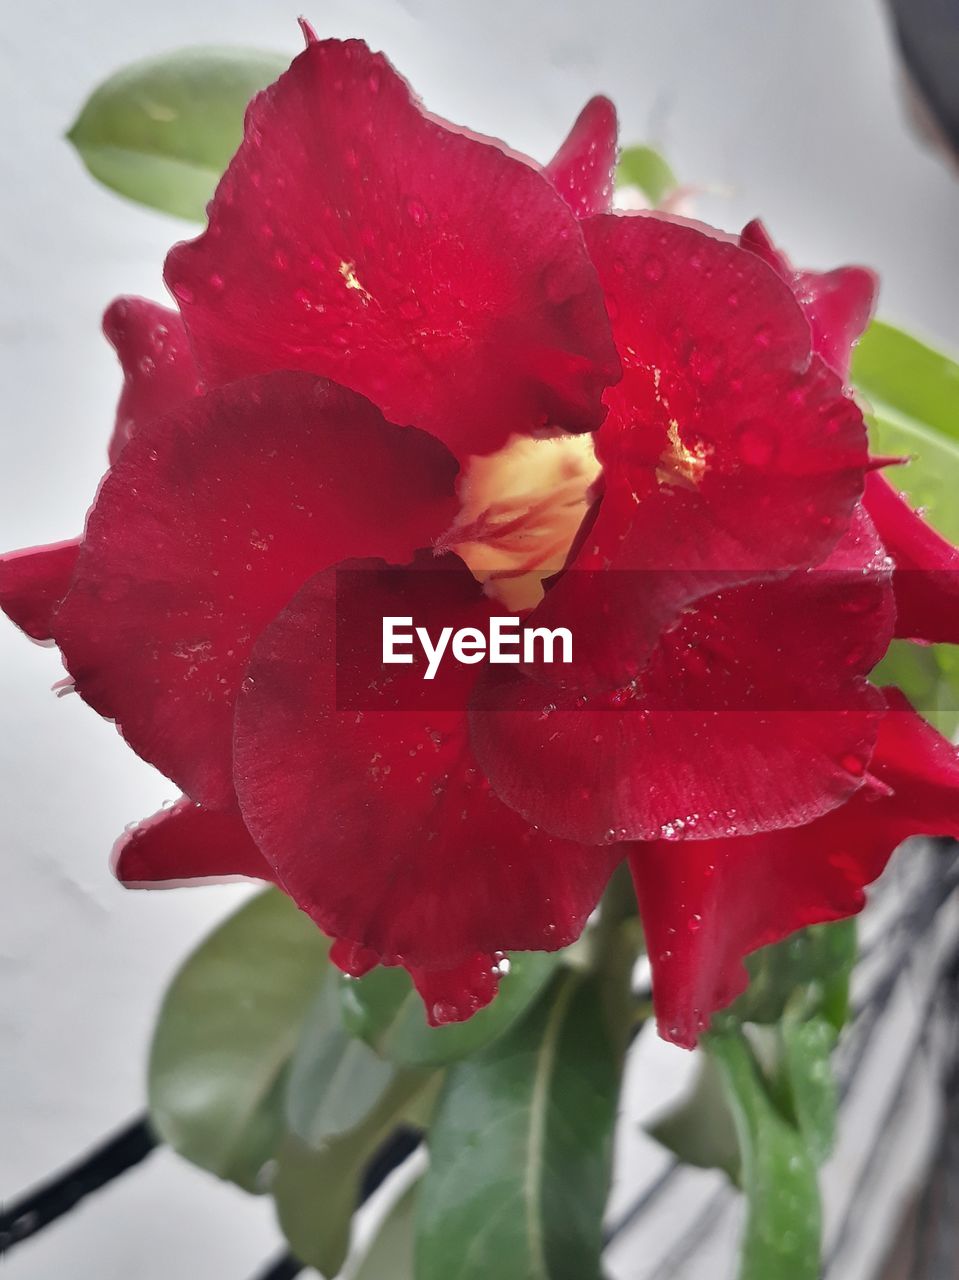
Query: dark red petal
709 903
378 821
926 578
159 373
838 304
186 844
753 713
32 584
207 525
582 169
357 237
353 959
729 452
454 995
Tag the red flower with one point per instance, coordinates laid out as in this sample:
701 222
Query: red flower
414 373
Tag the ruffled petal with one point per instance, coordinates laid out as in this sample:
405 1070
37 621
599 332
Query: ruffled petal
753 713
159 373
357 237
32 584
368 802
729 452
582 169
926 578
838 304
206 526
186 845
708 904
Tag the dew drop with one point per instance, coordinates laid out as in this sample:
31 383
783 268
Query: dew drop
694 923
444 1012
852 764
247 684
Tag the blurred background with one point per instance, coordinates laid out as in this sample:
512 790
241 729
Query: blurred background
796 111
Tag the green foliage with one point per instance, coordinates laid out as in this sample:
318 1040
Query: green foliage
699 1130
162 131
390 1254
226 1033
335 1080
520 1149
316 1189
807 1046
385 1009
896 371
783 1223
646 169
816 962
913 392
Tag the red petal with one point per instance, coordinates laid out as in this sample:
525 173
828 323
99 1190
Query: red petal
753 713
353 959
378 821
838 304
33 583
926 579
206 526
707 904
184 845
158 369
454 995
357 237
582 169
728 452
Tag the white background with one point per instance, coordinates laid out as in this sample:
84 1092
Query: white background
789 107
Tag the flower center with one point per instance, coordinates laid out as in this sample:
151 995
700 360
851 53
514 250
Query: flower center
520 509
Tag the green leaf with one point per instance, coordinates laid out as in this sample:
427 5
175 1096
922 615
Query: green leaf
700 1130
335 1080
645 168
818 959
914 393
225 1035
390 1255
928 674
783 1223
385 1010
316 1191
162 131
930 479
807 1050
520 1149
897 371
